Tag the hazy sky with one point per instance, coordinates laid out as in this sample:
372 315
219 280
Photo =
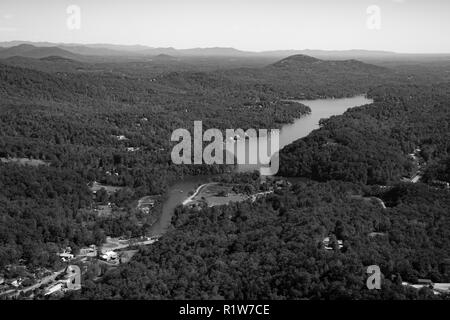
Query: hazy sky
406 25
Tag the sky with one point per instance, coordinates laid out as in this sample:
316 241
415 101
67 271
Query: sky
408 26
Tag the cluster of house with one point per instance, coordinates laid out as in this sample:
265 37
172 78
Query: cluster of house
62 285
30 281
415 156
23 278
124 138
255 196
438 288
10 283
90 251
420 163
67 254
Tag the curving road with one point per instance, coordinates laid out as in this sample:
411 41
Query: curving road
190 199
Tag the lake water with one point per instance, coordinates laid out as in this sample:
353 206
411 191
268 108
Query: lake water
174 197
320 109
300 128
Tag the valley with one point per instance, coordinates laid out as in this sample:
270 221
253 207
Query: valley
85 161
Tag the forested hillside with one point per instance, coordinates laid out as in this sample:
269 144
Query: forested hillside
80 123
370 144
82 119
272 249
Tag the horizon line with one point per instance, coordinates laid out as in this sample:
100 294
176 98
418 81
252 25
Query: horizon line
226 47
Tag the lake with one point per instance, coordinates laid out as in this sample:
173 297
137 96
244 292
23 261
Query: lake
300 128
175 196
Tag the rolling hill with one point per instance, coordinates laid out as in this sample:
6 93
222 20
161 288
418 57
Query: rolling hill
306 63
30 51
114 50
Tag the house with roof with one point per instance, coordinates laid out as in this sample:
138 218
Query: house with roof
109 255
65 257
327 244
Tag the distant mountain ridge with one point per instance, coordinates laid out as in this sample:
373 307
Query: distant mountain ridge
141 50
296 59
304 63
30 51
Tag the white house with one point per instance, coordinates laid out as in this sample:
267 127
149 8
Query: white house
109 255
326 244
66 256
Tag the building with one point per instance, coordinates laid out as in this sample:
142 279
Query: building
442 287
425 282
66 256
109 255
16 282
145 204
438 288
154 238
121 137
326 243
91 251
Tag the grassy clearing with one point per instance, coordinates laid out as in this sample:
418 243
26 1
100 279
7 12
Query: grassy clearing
109 189
217 194
25 162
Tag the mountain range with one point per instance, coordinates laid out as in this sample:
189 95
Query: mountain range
30 51
90 51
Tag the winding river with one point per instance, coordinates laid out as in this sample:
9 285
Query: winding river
320 109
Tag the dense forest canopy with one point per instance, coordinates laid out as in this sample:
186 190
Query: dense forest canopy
70 117
370 144
272 249
77 121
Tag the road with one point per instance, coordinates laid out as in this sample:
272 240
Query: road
44 280
38 284
119 246
381 202
188 200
